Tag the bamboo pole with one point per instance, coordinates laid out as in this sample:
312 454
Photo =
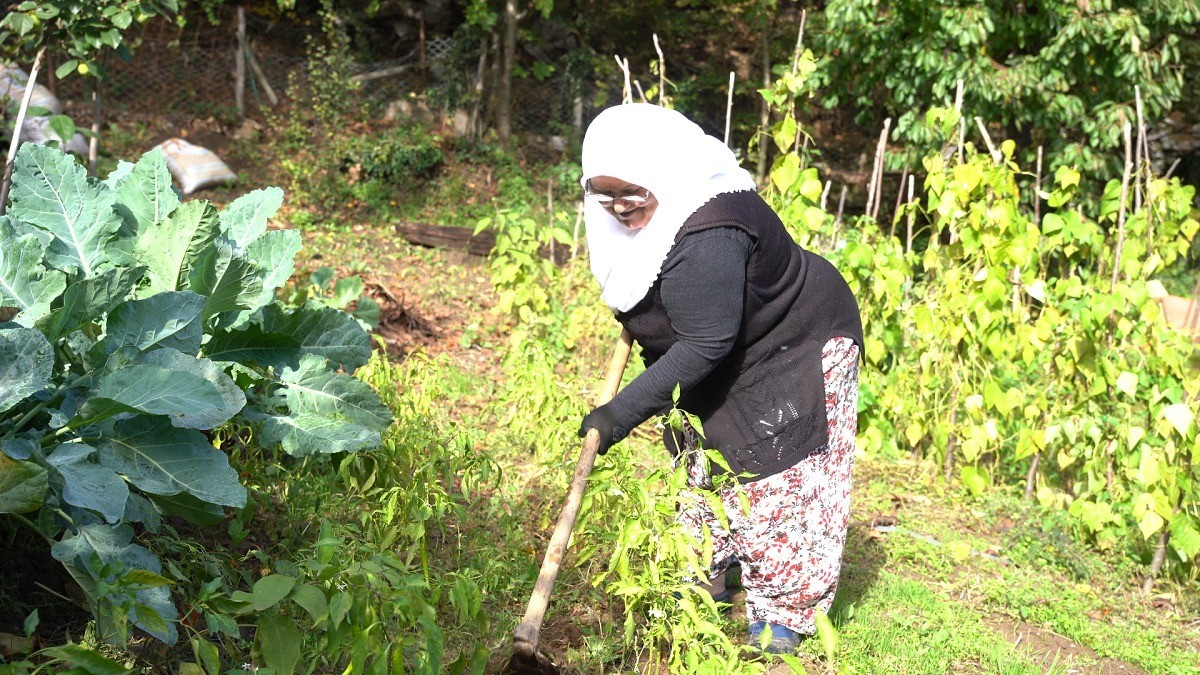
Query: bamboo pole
239 85
15 143
841 204
825 194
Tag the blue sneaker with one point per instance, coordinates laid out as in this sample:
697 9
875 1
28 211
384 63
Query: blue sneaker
783 639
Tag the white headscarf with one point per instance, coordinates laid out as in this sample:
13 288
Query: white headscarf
672 157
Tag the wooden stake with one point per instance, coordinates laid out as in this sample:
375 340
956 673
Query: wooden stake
1121 210
841 204
799 42
94 141
1137 165
260 76
239 91
729 107
550 210
877 167
627 89
578 223
911 215
641 92
1031 475
996 156
900 191
825 194
880 151
15 143
1037 189
662 72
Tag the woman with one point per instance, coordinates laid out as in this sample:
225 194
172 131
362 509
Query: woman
761 337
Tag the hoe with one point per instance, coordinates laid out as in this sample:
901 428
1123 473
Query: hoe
526 657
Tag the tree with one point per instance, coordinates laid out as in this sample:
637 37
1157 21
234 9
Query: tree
1059 73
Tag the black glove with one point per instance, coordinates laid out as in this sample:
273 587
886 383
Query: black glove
602 420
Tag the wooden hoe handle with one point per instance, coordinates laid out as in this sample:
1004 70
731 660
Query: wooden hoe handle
525 638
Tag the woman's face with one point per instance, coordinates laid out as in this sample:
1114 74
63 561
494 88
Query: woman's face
633 214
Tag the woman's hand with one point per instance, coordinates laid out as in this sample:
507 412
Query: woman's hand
602 420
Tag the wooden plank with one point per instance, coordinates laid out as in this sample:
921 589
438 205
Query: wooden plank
439 236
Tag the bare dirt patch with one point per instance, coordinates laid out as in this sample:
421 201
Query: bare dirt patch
1049 649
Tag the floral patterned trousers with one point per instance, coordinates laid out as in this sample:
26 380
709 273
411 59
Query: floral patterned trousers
789 544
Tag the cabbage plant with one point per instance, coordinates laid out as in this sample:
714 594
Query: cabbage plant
137 323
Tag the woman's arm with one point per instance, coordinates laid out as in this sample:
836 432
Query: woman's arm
703 290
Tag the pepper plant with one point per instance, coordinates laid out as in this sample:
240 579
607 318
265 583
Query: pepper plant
142 323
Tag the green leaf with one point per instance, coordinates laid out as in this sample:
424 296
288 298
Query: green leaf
1127 382
228 280
87 484
63 127
1180 416
1185 535
25 283
26 365
303 434
164 460
279 642
170 247
322 278
827 634
51 191
233 399
346 291
312 600
184 505
279 339
23 486
275 254
269 590
145 195
975 478
112 544
85 660
168 319
245 220
87 301
66 68
186 399
314 389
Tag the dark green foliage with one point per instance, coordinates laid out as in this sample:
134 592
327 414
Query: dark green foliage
398 156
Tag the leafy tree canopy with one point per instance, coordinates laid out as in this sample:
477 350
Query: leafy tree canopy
1059 73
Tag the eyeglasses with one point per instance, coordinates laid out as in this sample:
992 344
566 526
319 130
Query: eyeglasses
610 200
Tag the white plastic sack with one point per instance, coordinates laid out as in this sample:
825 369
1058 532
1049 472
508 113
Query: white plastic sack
37 130
13 81
195 167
